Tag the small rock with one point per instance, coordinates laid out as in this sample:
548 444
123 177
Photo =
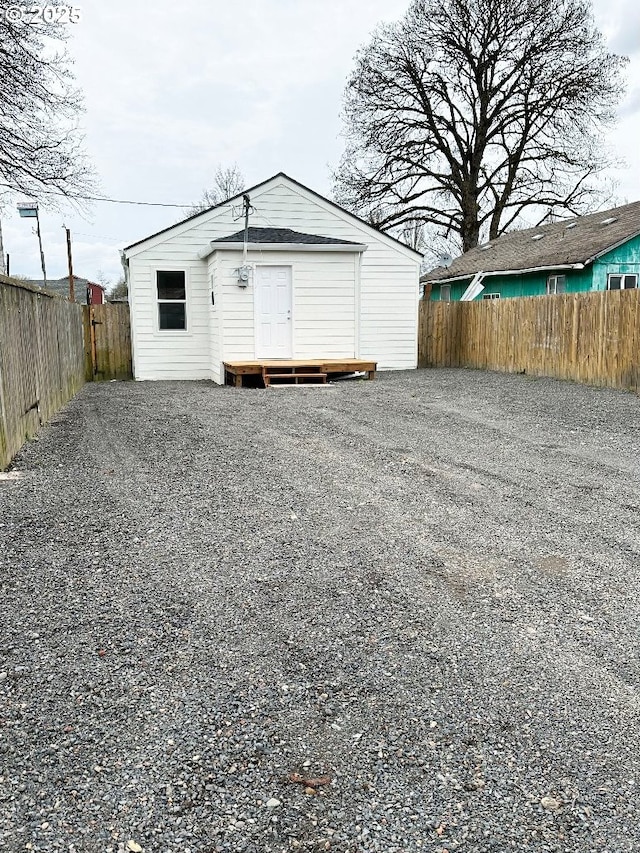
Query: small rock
134 846
551 804
273 803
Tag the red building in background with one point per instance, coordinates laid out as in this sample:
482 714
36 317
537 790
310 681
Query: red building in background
86 292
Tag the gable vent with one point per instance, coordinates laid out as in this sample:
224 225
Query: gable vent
609 220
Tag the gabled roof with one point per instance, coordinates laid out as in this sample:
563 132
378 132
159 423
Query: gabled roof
571 242
61 286
256 187
282 235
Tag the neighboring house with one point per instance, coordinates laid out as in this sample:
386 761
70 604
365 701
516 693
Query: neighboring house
85 292
596 252
318 283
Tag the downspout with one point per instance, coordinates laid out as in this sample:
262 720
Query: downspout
475 288
358 304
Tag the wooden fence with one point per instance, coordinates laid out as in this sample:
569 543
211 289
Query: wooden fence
107 334
586 337
42 362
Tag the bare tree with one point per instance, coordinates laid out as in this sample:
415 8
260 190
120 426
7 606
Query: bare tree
468 112
41 148
228 181
119 290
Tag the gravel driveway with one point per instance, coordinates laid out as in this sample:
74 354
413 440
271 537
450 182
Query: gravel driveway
419 595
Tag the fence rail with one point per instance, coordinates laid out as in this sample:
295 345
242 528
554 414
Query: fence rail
41 361
586 337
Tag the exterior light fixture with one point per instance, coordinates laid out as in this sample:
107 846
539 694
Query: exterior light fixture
29 210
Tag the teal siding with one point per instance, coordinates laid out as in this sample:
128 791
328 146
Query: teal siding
531 284
623 259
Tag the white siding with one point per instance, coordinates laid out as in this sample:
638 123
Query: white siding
325 323
169 354
324 308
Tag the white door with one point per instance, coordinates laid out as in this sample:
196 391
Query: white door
273 304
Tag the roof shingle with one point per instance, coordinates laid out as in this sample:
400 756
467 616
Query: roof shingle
571 241
61 286
282 235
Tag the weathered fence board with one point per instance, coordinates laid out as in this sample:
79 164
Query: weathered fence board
586 337
41 361
107 342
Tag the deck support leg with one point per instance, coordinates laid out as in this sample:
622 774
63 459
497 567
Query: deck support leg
371 374
237 380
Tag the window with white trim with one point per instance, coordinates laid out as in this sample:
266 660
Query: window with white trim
556 284
445 293
171 289
491 296
622 281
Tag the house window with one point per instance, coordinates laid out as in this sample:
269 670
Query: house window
557 284
445 293
172 300
491 296
622 282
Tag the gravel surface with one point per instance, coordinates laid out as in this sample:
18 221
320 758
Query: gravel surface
419 596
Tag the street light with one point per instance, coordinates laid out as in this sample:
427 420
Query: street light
29 210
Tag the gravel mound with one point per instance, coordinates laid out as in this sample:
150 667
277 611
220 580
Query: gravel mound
392 616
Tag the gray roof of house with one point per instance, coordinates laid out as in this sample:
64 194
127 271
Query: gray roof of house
572 241
282 235
61 286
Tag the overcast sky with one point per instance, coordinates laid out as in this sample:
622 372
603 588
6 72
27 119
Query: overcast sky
172 89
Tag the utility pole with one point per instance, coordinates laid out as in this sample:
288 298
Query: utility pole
29 210
44 271
72 289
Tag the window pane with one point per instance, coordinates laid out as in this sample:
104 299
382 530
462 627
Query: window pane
561 284
445 292
551 284
615 282
630 281
171 284
172 315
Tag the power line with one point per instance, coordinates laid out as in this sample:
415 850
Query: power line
126 201
80 197
99 237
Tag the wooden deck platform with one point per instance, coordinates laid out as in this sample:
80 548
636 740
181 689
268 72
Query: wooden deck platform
295 371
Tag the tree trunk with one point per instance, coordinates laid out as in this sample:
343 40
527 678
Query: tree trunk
470 231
